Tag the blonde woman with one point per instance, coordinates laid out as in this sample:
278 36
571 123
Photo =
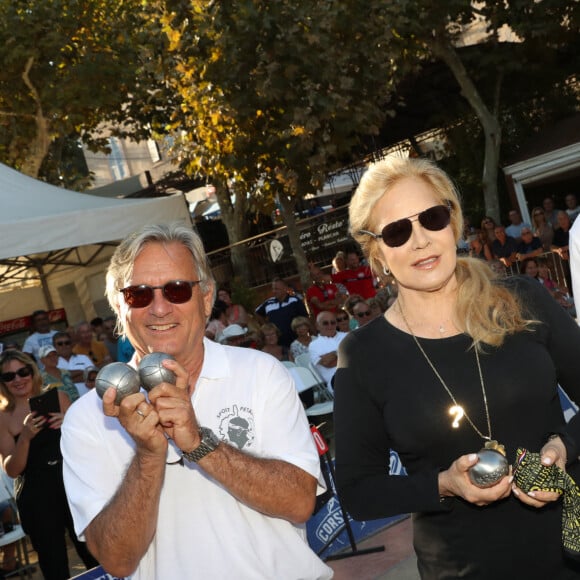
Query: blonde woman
454 340
270 336
30 452
302 328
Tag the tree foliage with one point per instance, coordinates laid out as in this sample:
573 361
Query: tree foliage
522 58
274 95
66 66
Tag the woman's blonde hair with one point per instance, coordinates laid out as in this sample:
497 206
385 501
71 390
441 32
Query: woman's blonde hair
8 356
269 327
534 215
486 311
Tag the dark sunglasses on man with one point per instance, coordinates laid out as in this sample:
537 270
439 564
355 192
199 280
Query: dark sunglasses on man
364 313
174 291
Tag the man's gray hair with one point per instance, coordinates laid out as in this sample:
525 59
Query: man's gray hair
120 268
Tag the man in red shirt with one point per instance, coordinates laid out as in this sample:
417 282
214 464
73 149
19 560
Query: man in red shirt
323 294
357 278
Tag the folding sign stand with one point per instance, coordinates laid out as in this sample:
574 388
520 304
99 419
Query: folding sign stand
329 477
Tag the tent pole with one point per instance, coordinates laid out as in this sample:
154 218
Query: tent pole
45 290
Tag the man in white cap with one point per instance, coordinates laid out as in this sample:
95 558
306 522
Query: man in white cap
234 335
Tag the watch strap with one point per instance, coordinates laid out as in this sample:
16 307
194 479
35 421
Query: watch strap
209 443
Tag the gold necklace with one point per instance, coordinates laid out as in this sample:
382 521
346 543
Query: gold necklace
457 410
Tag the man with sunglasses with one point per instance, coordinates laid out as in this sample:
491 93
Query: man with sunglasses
68 361
163 485
362 312
324 348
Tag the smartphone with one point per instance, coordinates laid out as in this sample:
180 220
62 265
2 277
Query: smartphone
45 403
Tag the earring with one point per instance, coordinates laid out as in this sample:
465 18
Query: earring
386 271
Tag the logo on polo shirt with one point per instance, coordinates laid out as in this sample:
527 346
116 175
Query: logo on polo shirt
237 426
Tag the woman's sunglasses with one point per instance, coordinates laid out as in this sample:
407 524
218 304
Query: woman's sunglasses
175 291
398 233
10 376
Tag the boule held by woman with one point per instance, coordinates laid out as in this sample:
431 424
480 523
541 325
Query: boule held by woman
461 361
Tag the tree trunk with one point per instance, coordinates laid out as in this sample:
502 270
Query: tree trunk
288 205
234 220
41 144
489 123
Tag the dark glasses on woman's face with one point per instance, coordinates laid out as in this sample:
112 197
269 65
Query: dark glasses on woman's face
175 291
10 376
398 233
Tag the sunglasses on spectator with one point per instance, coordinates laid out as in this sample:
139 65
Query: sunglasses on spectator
327 322
363 313
175 291
398 233
10 376
62 343
341 318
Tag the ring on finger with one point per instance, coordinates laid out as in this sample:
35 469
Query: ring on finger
139 412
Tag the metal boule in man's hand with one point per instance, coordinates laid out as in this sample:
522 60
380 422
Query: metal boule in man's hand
490 468
152 371
121 377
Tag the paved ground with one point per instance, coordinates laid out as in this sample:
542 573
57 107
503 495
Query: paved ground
397 562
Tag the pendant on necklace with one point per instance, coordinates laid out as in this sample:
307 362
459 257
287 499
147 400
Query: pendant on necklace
491 465
458 412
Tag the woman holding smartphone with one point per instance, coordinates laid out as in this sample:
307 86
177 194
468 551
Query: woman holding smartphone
30 452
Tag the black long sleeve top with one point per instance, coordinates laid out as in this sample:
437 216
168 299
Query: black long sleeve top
387 397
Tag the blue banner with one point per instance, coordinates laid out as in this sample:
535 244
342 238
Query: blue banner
329 521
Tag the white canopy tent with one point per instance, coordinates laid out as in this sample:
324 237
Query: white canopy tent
44 227
37 217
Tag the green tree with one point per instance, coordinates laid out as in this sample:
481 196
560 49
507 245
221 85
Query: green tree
517 44
274 95
66 66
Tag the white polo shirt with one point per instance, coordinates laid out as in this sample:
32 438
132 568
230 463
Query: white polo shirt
248 399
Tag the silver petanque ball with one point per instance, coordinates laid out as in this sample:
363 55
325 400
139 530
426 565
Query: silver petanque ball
490 468
120 376
152 371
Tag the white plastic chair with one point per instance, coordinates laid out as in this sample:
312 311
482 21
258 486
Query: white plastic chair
303 360
305 380
17 535
325 390
23 567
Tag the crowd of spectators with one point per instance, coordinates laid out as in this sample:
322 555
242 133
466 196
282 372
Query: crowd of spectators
344 295
514 248
30 443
